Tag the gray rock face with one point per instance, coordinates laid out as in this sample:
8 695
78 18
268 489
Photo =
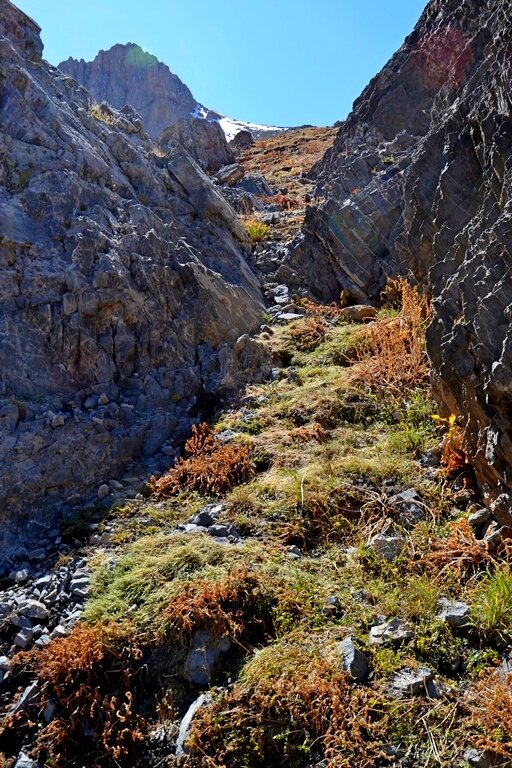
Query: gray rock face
123 291
204 141
420 179
127 74
203 656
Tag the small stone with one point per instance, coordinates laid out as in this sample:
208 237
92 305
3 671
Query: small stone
387 547
103 399
410 682
24 761
42 641
203 518
478 758
391 632
103 491
21 576
409 506
21 622
49 711
496 536
37 554
454 612
23 639
218 530
479 517
294 552
58 420
5 663
203 656
34 609
116 485
26 698
358 313
59 631
353 660
184 732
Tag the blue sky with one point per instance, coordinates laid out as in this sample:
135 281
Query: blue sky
283 62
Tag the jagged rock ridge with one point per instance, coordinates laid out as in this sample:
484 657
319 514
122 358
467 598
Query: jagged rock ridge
123 290
419 182
126 74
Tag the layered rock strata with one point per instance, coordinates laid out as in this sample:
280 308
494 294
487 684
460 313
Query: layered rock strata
419 182
125 297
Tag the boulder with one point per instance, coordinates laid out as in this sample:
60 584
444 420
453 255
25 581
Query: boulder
204 141
242 140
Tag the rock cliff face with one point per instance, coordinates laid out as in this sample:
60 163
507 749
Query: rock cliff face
123 290
126 74
420 181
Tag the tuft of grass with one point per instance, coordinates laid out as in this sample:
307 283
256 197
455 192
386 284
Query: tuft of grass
102 113
492 605
256 230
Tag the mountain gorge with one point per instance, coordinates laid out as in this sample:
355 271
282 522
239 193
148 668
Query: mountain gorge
255 423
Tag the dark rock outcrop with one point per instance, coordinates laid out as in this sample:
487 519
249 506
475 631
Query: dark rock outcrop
125 297
125 74
419 182
204 141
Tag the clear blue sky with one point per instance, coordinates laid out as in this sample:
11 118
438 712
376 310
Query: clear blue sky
283 62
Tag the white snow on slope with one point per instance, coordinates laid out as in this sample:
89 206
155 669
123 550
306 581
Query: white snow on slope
230 126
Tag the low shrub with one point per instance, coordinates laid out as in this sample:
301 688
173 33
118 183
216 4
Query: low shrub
211 467
395 359
292 704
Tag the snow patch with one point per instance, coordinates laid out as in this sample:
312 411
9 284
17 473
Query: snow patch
230 126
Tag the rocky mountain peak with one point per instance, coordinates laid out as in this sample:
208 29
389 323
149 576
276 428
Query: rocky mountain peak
126 74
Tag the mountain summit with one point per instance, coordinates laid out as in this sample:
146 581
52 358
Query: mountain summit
126 74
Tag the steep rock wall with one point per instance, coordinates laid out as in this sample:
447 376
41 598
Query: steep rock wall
419 182
123 291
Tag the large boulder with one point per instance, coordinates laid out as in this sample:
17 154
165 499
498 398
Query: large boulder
123 291
419 181
204 141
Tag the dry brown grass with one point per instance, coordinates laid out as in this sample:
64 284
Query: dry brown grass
460 552
92 676
491 711
237 606
313 431
395 358
309 333
320 310
211 467
293 703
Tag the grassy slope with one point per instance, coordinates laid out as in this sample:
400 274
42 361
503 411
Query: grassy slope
336 441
